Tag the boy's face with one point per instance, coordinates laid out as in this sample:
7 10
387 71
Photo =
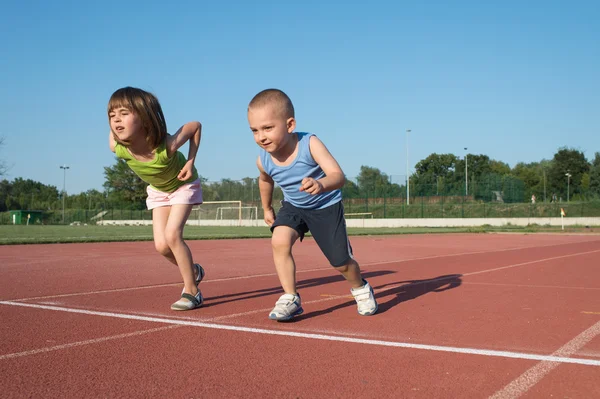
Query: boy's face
270 127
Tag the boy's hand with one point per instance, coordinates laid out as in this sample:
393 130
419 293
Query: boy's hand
186 172
269 216
311 186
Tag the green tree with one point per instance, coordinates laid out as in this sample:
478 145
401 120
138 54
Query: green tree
123 187
594 186
373 183
435 174
3 165
569 161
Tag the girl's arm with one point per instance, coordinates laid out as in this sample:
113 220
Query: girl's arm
191 131
111 141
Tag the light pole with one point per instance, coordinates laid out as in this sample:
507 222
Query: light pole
466 174
407 171
568 184
64 168
544 172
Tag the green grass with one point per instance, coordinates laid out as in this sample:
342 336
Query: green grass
77 234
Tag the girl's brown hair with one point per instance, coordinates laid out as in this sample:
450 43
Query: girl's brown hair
146 106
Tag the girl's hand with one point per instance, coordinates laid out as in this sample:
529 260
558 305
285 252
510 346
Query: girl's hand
311 186
186 172
269 216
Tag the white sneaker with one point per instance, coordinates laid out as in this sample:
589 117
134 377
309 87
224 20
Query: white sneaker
286 307
365 300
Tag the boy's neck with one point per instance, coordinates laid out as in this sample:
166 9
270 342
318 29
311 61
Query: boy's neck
288 150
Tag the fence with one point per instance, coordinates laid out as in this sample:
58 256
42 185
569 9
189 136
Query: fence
377 196
379 208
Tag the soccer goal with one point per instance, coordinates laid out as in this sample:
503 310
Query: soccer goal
226 211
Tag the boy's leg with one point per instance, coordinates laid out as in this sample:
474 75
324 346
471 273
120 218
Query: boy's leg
289 304
328 227
351 272
282 242
288 227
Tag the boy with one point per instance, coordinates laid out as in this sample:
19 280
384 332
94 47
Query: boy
311 180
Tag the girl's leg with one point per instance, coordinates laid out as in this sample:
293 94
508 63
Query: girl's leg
173 235
283 239
160 216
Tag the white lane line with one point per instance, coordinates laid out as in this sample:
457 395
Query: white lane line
530 262
467 351
560 287
532 376
334 297
86 342
308 271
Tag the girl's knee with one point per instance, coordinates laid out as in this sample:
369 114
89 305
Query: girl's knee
173 237
162 247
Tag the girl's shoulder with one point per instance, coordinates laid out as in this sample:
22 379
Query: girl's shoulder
121 152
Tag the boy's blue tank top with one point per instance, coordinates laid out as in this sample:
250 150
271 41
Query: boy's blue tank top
289 177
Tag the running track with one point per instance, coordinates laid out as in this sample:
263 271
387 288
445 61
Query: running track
470 316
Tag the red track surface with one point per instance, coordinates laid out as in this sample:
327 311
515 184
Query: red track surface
96 321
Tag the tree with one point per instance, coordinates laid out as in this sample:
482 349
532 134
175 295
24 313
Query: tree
123 187
3 166
565 161
373 183
531 176
595 176
435 174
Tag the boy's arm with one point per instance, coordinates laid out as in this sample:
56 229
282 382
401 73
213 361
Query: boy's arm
334 177
191 132
265 186
111 141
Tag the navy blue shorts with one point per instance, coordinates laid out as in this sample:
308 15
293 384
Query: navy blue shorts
327 226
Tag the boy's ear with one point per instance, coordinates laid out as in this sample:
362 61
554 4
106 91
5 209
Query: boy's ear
291 125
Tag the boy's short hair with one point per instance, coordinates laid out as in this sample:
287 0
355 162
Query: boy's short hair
274 97
146 106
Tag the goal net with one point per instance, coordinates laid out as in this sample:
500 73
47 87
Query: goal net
224 210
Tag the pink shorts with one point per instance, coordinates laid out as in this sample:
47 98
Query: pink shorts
188 194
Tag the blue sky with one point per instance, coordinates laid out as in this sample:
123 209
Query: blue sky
514 80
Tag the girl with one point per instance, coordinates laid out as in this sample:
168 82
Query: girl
138 134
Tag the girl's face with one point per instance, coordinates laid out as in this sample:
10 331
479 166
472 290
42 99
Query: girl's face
126 125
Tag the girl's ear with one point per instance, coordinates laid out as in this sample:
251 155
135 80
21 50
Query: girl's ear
291 124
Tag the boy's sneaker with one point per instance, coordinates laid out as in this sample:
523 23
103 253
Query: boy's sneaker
286 307
367 305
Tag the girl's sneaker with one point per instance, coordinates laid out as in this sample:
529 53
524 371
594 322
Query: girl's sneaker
365 300
286 307
199 273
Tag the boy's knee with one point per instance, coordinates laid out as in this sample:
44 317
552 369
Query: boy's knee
281 244
345 265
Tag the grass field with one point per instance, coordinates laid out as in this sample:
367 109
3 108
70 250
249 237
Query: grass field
73 234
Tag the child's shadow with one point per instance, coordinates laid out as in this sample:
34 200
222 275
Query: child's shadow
311 282
409 289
